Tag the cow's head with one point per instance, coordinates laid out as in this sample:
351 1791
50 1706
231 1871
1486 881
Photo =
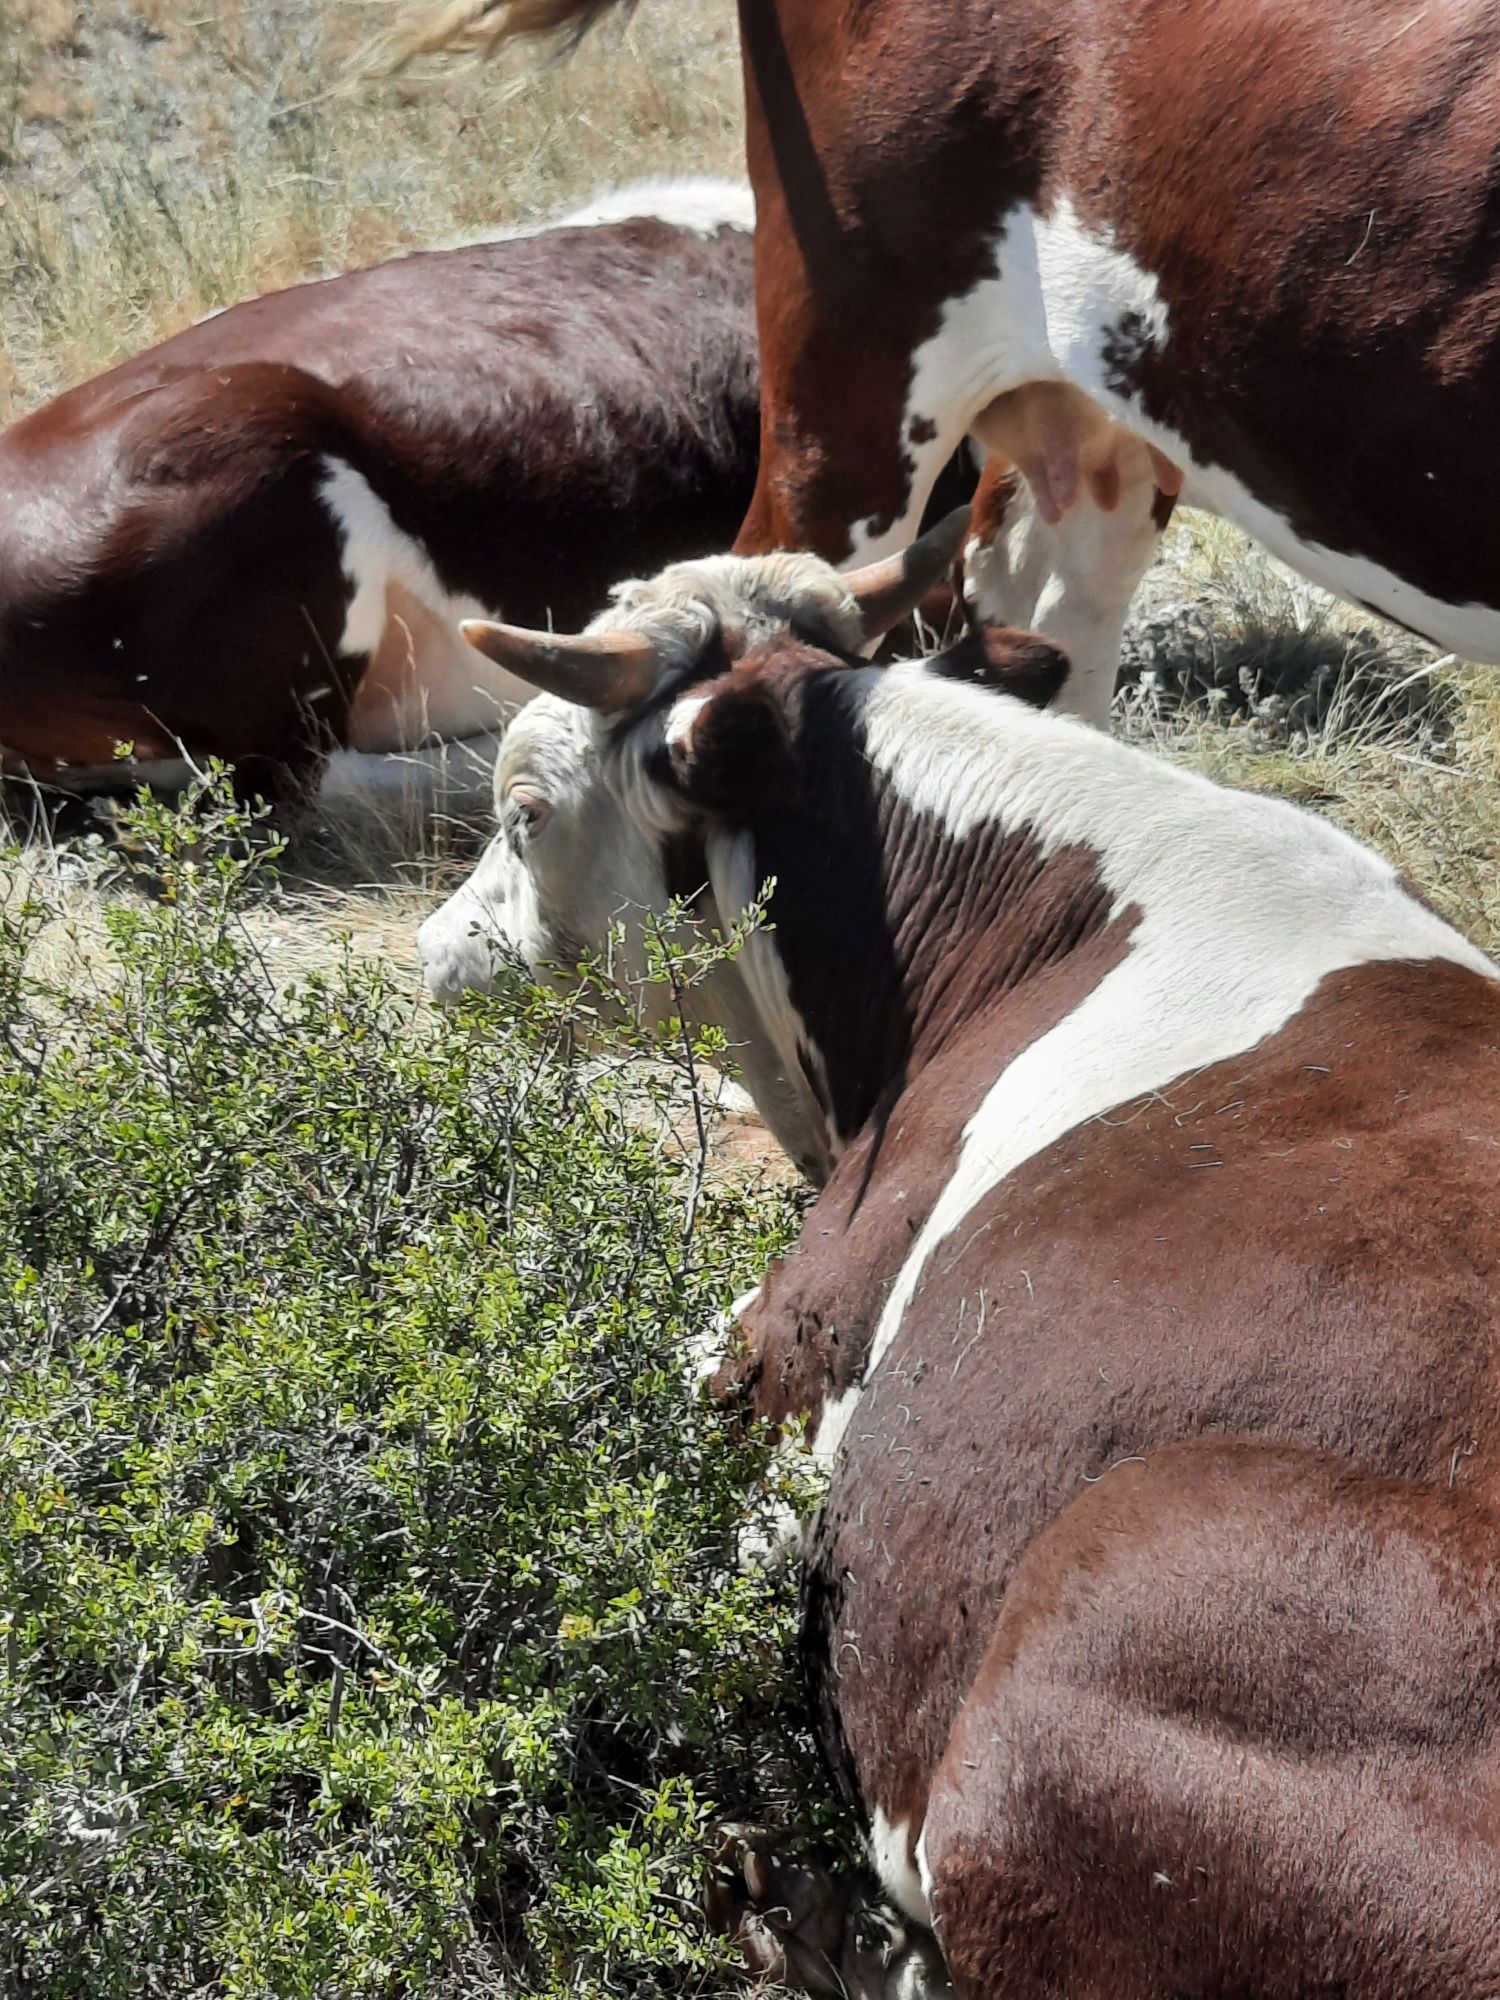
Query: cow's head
677 744
562 873
568 862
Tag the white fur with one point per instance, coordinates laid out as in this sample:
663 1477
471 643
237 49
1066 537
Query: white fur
584 870
459 775
705 1355
806 1133
1074 582
377 554
778 1538
703 205
1046 315
593 866
1246 905
891 1857
924 1872
1471 630
680 722
431 683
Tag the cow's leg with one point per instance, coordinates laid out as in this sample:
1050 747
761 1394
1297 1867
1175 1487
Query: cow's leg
1237 1732
1074 536
817 1930
846 468
1006 561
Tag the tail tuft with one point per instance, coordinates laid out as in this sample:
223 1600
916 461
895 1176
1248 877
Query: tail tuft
480 27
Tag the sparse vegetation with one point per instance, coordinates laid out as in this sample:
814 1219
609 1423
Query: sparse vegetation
1258 679
157 162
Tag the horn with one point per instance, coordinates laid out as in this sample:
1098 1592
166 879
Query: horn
886 591
604 670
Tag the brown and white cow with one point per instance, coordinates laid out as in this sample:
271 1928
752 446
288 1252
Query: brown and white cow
1238 249
1148 1318
255 540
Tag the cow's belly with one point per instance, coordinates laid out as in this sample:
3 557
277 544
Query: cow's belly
1066 305
1471 630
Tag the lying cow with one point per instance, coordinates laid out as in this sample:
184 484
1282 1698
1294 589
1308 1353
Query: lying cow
1147 1317
255 540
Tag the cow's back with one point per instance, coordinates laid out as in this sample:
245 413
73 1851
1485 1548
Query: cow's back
534 406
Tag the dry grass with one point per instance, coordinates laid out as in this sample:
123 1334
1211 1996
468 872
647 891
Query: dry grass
157 161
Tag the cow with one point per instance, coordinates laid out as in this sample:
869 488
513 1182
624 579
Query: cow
1146 1318
254 541
1237 252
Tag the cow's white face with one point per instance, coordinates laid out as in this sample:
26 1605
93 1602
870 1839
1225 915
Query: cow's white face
565 866
594 792
568 862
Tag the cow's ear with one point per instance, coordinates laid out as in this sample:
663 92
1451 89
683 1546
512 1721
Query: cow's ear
1023 664
728 751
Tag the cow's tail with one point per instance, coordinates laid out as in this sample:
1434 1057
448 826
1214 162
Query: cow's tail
434 27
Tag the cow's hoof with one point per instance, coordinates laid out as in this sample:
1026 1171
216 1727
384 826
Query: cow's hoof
815 1931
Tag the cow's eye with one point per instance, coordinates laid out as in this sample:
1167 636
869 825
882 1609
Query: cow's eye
528 808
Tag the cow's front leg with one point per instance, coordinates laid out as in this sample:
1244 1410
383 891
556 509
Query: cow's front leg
818 1930
1065 538
1006 561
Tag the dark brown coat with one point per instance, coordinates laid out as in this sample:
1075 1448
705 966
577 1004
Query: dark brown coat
533 418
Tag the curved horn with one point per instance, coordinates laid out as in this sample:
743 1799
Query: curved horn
603 670
886 591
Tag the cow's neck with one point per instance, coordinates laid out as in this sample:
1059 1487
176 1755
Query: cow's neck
731 997
892 928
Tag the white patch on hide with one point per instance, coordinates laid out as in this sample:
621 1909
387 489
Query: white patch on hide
1060 296
1246 904
812 1141
891 1857
422 678
1048 315
701 204
376 554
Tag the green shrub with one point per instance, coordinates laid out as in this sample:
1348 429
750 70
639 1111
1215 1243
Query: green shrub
370 1617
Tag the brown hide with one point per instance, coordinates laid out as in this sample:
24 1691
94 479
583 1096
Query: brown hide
1313 188
1298 1247
1116 1294
540 416
1280 1674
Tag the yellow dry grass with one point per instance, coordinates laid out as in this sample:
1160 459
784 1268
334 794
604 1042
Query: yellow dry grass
157 162
1433 806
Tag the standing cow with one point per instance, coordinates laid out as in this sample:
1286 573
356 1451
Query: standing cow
255 540
1244 250
1146 1318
